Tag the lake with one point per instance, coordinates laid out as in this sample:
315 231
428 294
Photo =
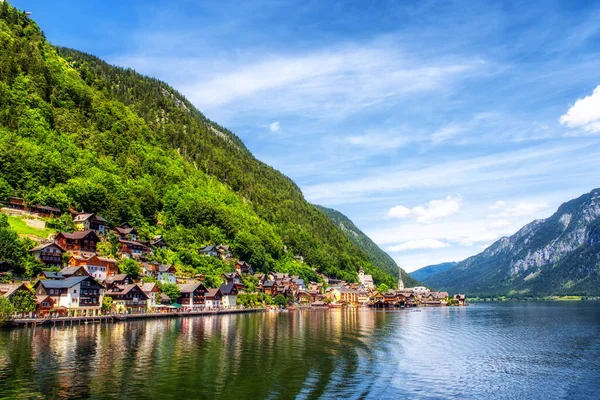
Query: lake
486 351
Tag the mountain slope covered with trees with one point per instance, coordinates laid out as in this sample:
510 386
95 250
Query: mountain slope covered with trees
77 132
378 257
431 270
559 255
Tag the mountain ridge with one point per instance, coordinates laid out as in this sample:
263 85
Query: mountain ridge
559 255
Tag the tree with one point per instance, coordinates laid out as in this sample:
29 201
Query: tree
11 247
64 223
279 300
383 288
171 290
23 301
107 303
130 267
7 311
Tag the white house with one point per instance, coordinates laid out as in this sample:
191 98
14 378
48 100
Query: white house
214 298
80 293
229 292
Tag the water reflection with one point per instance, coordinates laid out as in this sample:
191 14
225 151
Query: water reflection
487 351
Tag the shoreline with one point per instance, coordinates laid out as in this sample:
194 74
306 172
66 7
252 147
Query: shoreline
70 321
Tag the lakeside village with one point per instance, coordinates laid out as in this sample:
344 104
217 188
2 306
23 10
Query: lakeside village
91 285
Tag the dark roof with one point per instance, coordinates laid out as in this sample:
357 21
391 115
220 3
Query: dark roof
68 271
44 245
121 290
268 283
227 288
52 275
86 216
206 249
78 235
299 282
212 292
125 231
64 283
47 208
190 287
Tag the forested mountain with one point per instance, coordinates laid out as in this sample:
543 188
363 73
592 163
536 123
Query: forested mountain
77 132
378 257
559 255
431 270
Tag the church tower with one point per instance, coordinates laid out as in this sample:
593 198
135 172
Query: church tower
400 283
361 276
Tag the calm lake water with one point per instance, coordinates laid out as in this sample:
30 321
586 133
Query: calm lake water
488 351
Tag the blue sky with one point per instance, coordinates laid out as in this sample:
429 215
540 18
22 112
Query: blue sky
437 127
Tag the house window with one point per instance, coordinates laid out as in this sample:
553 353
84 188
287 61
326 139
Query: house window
75 291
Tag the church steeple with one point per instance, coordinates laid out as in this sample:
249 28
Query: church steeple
400 283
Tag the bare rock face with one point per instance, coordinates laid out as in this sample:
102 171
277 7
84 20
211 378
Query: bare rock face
560 254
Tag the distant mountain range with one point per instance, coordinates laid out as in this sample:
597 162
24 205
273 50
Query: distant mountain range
427 272
559 255
378 257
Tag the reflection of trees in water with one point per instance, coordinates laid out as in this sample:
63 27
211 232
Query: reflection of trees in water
257 356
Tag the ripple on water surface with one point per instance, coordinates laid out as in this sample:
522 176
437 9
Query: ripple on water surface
492 351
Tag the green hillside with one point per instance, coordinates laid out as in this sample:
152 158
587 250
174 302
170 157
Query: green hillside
380 259
77 132
431 270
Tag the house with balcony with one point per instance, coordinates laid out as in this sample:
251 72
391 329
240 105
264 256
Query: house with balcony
152 291
229 292
163 273
128 299
193 296
80 242
214 298
90 221
134 249
49 254
126 232
98 267
82 295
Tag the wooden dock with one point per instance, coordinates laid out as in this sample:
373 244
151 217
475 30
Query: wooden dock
113 318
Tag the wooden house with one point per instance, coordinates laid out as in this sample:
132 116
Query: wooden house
214 298
133 249
460 299
14 203
242 267
128 299
152 291
90 221
158 242
48 254
126 232
164 273
82 294
98 267
44 211
235 278
193 295
81 242
229 291
118 279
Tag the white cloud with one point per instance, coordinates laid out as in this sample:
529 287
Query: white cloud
418 244
399 212
274 126
584 114
431 211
